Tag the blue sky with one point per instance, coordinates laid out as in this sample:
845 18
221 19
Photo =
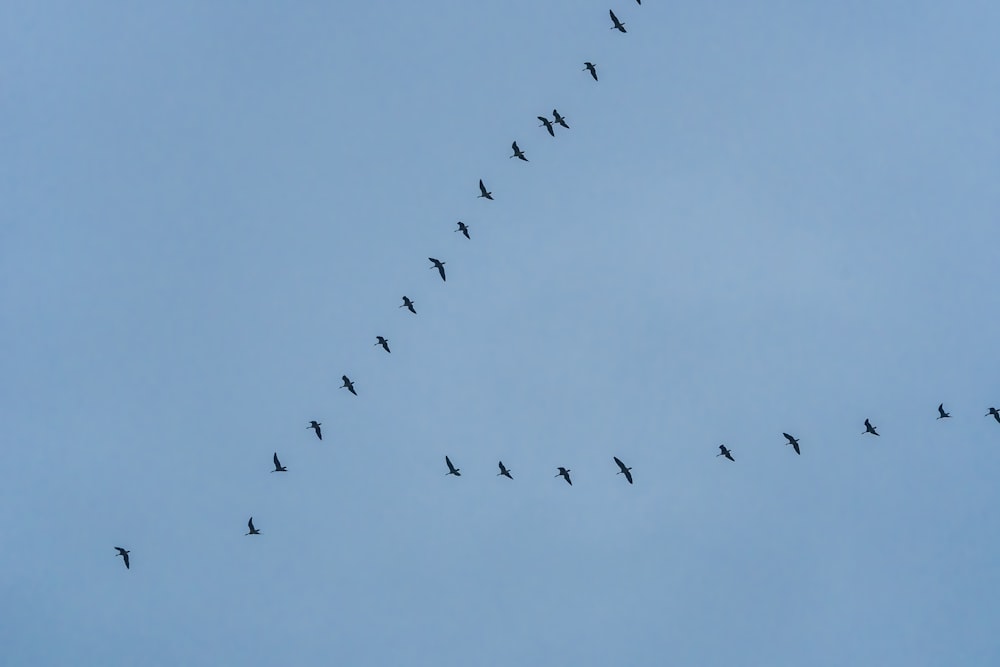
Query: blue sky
763 219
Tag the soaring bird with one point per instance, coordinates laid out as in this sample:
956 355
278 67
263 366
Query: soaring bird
277 465
518 153
559 119
547 124
253 531
124 554
452 470
408 304
793 442
464 228
724 451
941 413
618 24
315 425
483 192
348 385
624 470
565 475
384 342
439 265
995 413
504 471
592 68
869 428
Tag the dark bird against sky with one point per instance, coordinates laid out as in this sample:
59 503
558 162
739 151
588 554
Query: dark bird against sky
504 471
547 124
409 305
464 228
277 465
995 413
348 385
439 265
124 554
559 119
315 425
384 342
592 68
724 451
869 428
941 413
483 192
253 531
793 442
452 470
618 24
564 472
518 153
624 470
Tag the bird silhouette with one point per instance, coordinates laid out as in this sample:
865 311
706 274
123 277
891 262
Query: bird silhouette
793 442
464 228
315 425
452 470
439 265
547 124
483 192
384 342
504 471
618 24
408 304
559 119
624 470
124 554
941 413
564 472
592 68
724 451
869 428
253 531
348 385
995 413
277 465
518 153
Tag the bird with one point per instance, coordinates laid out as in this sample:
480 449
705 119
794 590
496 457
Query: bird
464 228
124 554
624 470
439 265
504 471
315 425
518 153
565 474
452 470
277 465
253 531
941 413
618 24
483 192
408 304
995 413
793 442
724 451
592 68
348 385
384 342
559 119
547 124
869 428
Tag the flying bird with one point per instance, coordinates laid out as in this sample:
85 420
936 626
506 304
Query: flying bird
941 413
547 124
995 413
518 153
869 428
618 24
464 228
504 471
315 425
483 192
592 68
253 531
277 465
724 451
348 385
408 304
624 470
565 475
559 119
124 554
384 342
439 265
793 442
452 470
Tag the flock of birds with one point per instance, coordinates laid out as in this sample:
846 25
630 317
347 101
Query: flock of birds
463 228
